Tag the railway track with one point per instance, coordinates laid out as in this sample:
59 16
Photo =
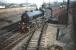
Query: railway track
11 37
9 28
10 42
7 32
8 39
41 41
36 40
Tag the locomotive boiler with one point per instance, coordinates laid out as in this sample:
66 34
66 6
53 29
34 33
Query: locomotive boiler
29 20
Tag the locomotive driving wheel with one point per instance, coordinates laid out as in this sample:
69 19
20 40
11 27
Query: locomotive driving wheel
23 27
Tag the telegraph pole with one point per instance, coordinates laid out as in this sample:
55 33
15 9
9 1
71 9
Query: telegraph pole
49 3
27 1
43 1
68 1
63 1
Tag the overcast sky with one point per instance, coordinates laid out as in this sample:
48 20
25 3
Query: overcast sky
31 1
37 2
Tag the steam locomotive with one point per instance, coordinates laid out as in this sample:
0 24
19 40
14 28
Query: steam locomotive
30 19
